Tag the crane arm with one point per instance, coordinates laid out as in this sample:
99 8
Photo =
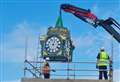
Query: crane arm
109 25
88 17
80 13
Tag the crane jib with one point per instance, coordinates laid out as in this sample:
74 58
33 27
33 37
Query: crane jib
112 31
87 16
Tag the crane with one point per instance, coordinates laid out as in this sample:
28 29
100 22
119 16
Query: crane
87 16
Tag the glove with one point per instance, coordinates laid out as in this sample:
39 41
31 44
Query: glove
53 70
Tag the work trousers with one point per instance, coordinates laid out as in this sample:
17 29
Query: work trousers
47 76
103 72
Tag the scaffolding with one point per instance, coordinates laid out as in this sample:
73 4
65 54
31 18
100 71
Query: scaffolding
71 70
66 70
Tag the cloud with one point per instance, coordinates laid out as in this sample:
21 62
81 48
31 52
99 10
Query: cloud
93 41
14 42
83 41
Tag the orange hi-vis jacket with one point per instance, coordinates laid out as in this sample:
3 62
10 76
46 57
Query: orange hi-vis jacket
46 70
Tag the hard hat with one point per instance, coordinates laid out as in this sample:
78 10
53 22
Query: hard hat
102 48
47 58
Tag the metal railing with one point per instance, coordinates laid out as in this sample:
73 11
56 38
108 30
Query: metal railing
72 70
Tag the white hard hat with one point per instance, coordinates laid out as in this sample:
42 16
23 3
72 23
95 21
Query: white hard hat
102 48
47 58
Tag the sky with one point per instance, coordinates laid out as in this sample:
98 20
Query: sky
22 18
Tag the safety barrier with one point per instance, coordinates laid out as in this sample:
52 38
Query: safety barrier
70 70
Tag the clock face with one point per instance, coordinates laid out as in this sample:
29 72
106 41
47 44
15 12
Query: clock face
53 44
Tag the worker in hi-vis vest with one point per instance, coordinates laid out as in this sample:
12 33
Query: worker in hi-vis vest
102 63
46 70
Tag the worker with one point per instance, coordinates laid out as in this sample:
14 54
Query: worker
46 70
102 63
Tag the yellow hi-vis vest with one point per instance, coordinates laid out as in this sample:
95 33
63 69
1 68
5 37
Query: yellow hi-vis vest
103 61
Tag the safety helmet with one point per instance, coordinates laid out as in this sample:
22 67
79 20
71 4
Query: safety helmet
47 59
102 48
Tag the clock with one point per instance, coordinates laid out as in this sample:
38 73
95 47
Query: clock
56 45
53 44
